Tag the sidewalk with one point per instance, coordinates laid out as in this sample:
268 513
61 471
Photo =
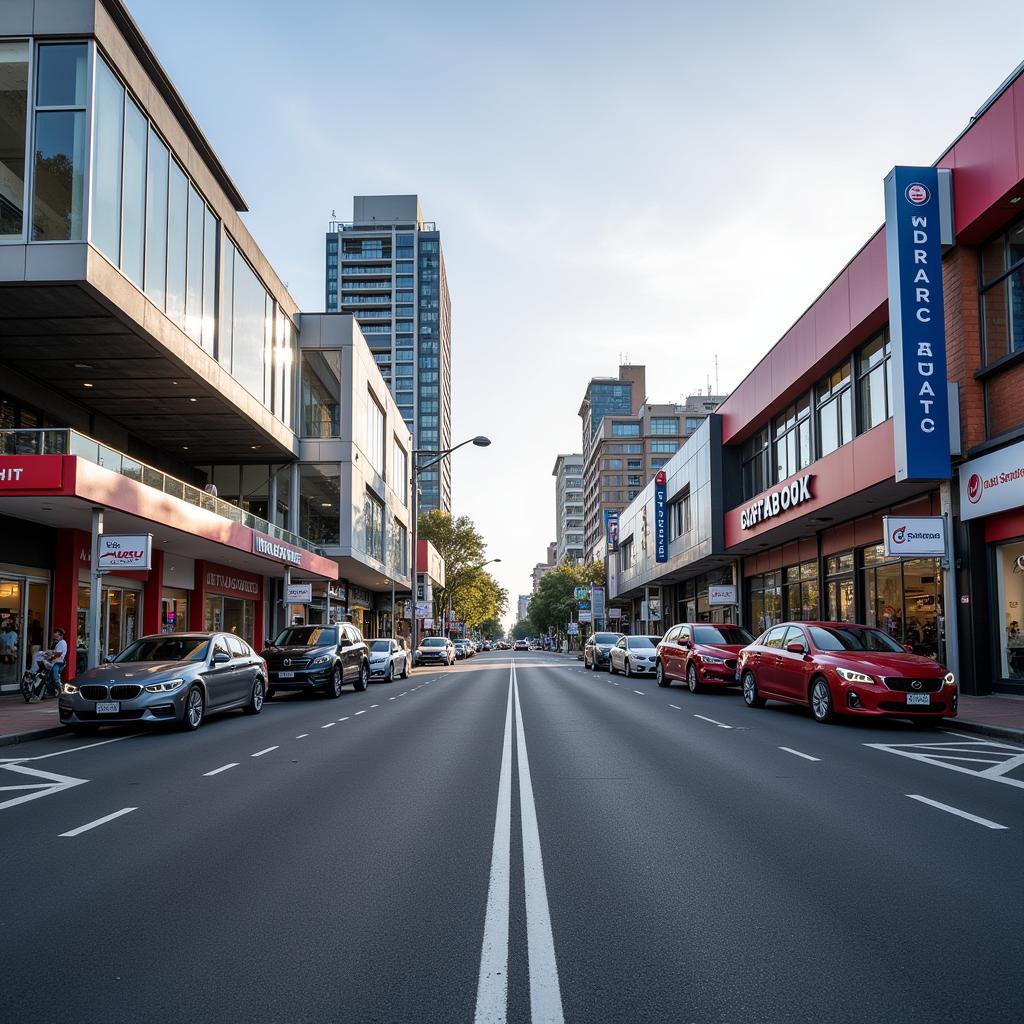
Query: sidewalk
20 721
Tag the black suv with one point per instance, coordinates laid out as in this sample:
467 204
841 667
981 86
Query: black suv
317 658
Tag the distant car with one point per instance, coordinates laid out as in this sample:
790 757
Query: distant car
434 650
176 677
461 649
321 658
634 655
388 660
520 645
597 648
839 668
701 653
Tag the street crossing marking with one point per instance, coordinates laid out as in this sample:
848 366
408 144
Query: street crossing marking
806 757
721 725
95 824
998 762
987 822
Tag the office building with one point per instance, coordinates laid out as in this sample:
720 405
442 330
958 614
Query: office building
541 569
523 607
568 474
386 267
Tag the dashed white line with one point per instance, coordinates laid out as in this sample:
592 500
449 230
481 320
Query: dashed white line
363 712
676 706
374 705
392 698
345 719
641 692
796 753
721 725
955 810
327 726
302 735
94 824
260 753
222 768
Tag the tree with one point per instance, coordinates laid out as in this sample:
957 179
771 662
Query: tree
521 630
491 628
554 604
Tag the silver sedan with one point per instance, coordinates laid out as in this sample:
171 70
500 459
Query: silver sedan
388 660
634 655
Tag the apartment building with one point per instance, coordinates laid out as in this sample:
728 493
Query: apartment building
568 474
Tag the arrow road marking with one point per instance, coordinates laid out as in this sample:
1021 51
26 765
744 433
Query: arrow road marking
52 783
1000 759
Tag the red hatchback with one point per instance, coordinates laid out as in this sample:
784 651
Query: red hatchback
700 652
841 668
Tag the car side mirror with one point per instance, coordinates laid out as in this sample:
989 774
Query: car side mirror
221 658
909 648
796 648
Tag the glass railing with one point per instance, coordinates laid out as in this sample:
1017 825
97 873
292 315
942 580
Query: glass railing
71 442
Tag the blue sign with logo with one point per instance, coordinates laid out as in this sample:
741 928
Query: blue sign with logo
611 529
660 518
917 324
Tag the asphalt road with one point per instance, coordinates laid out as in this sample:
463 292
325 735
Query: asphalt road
537 843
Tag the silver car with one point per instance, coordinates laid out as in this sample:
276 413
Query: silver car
634 655
388 660
168 677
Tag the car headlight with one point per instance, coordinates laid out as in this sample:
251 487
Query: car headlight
854 677
69 688
949 678
710 659
169 684
322 660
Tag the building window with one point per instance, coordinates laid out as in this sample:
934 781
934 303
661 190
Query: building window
613 463
765 601
1002 295
679 516
802 591
793 440
321 393
625 555
693 423
874 382
374 434
13 128
400 549
400 471
664 447
834 398
840 605
755 471
625 429
635 464
320 502
373 526
664 425
248 331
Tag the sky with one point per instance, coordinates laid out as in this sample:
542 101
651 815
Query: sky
652 182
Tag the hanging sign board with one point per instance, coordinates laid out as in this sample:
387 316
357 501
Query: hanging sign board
119 552
914 535
298 593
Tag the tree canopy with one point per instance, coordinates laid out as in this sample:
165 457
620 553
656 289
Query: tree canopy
554 603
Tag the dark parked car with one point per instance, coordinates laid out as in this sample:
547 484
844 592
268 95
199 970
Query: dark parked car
176 677
841 668
318 658
701 653
597 649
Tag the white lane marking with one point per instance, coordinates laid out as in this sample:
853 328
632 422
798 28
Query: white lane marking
222 768
641 692
806 757
363 712
302 735
345 719
327 726
95 824
49 783
260 753
955 810
721 725
392 698
492 986
1007 757
545 995
403 693
615 684
676 706
374 705
72 750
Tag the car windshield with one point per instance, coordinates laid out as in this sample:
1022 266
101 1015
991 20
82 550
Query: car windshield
735 635
380 646
854 638
637 642
307 636
433 641
606 638
166 648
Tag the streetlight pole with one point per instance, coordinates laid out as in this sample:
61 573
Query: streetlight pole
481 442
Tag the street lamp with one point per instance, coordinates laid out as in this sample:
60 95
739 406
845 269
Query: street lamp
481 442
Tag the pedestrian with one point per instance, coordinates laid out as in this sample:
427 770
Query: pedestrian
54 659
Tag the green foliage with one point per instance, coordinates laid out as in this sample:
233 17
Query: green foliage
554 604
521 630
492 629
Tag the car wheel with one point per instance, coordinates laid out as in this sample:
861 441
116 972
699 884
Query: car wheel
750 695
821 701
626 670
659 673
364 678
195 709
612 670
691 678
336 683
390 674
256 698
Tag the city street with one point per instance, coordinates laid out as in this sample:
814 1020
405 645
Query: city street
514 839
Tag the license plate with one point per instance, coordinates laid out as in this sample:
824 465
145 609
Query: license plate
285 675
108 707
919 698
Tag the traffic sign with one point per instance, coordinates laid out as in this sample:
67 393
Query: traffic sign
581 593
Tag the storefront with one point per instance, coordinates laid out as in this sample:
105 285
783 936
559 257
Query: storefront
360 609
232 601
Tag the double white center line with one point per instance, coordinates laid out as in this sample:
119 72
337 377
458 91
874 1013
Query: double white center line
492 988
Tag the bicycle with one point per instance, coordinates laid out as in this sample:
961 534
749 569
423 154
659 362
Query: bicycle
34 684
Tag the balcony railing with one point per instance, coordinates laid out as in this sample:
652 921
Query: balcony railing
71 442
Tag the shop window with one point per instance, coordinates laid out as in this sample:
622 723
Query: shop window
755 471
834 400
1010 591
679 516
874 381
321 393
373 526
320 503
841 606
1001 266
802 591
765 601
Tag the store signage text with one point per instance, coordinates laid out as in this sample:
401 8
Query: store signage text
123 552
275 549
722 594
796 492
232 584
915 535
917 326
31 473
298 593
992 483
660 518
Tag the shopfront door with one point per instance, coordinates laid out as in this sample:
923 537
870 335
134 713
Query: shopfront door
24 605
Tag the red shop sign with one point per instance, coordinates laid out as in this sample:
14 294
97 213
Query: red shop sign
220 579
31 472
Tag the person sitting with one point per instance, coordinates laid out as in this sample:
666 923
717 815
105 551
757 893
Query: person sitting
54 659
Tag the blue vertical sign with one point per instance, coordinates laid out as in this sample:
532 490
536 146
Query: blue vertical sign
611 529
660 518
917 323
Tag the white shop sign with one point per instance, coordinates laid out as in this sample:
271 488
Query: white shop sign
299 593
118 551
914 535
993 482
724 594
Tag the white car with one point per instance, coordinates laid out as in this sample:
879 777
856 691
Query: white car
388 660
634 655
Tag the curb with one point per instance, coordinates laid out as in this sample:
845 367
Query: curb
1002 732
11 738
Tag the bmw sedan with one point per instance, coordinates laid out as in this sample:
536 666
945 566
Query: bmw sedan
176 677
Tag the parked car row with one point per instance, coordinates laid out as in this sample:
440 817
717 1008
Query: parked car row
833 668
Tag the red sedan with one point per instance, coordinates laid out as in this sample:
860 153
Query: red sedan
841 668
700 652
